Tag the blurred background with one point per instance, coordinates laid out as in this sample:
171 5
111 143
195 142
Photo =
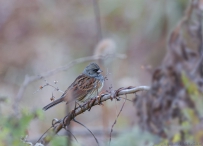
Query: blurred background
41 35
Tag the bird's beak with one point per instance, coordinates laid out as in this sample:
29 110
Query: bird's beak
99 71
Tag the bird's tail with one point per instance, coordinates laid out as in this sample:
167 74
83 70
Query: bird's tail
52 104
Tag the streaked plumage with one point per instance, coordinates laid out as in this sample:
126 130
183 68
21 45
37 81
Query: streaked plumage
86 86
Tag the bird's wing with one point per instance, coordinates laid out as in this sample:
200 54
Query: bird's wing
80 87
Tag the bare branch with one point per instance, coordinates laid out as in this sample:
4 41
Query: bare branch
97 101
117 118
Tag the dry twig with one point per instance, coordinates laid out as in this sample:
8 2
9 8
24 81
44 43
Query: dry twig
117 118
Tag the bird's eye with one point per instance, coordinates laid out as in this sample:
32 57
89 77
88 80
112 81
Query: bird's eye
95 70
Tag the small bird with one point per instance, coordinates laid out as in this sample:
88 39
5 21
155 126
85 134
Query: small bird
86 86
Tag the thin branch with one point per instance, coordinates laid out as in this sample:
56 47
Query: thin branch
70 134
117 119
127 99
88 130
44 134
97 101
68 128
30 79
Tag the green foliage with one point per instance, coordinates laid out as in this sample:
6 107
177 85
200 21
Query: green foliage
14 127
189 85
59 141
191 115
135 137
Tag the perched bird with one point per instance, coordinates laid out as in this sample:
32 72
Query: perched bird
86 86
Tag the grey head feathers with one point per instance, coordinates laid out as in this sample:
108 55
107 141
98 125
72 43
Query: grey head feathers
92 70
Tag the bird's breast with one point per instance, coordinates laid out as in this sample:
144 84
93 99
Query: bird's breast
101 86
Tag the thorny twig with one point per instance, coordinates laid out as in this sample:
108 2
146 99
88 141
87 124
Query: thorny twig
55 89
60 124
48 84
117 118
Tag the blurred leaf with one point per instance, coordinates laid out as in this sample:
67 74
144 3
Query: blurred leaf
198 100
196 96
136 137
162 143
190 115
58 141
39 114
176 138
190 86
186 125
13 128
